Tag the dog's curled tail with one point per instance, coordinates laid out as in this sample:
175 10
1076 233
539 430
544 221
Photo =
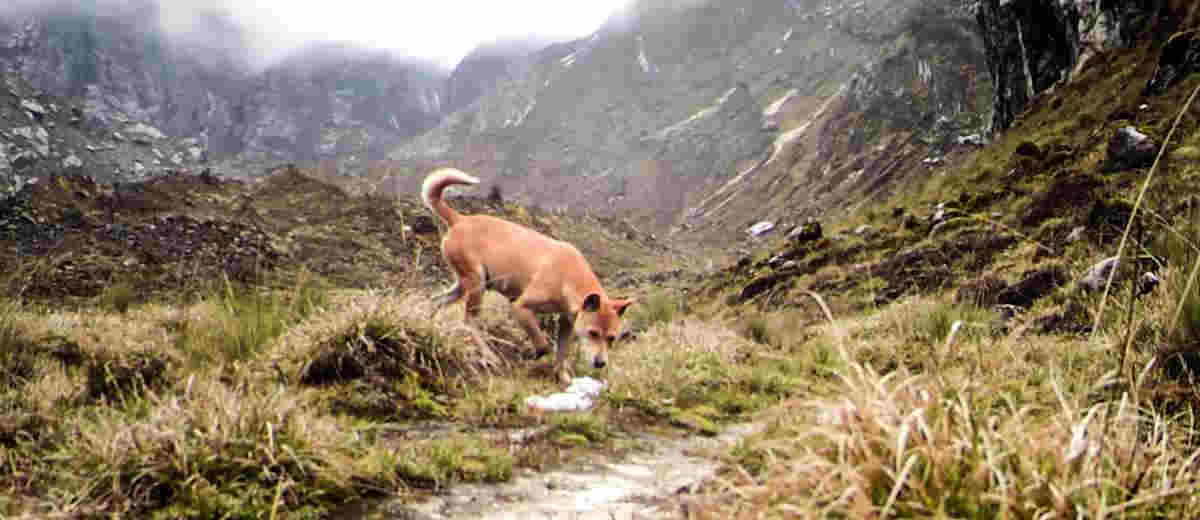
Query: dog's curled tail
431 191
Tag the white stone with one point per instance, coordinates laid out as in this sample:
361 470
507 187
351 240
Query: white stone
579 396
761 228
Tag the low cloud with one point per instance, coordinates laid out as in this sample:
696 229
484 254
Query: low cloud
266 31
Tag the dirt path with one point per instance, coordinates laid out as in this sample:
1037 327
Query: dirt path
626 489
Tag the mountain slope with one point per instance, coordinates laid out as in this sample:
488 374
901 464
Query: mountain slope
43 135
324 101
673 108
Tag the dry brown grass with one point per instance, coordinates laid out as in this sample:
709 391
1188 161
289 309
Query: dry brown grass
204 407
984 426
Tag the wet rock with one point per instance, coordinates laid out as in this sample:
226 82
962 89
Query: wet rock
971 139
806 232
1130 148
23 160
142 133
1147 283
72 161
1097 276
1076 234
35 109
863 230
761 228
37 137
939 214
1033 286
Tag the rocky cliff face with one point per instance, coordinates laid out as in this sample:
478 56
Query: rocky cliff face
43 135
324 101
477 73
1034 44
918 102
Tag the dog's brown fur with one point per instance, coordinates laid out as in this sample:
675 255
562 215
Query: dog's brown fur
536 273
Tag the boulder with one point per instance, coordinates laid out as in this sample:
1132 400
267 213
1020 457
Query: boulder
1076 234
143 133
1147 283
761 228
1130 148
35 109
1096 276
806 232
971 139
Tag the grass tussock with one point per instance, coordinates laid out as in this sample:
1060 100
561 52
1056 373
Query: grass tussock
209 449
439 463
697 374
234 322
1003 426
157 411
385 335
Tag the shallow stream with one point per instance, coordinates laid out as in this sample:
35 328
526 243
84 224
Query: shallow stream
630 487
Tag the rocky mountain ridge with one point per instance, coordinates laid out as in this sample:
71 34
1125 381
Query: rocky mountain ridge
707 117
327 100
672 109
43 135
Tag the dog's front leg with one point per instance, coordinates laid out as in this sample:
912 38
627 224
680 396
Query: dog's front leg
566 331
529 322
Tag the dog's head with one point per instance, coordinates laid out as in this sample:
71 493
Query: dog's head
599 324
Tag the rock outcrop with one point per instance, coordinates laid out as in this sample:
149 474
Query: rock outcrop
42 135
1034 44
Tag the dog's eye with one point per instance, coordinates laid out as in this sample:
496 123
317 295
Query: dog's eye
612 339
595 334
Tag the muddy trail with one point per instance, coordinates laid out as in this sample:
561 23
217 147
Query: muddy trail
636 485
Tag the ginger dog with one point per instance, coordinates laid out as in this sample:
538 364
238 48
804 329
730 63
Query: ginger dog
536 273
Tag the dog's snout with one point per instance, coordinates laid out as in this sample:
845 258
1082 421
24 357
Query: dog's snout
599 363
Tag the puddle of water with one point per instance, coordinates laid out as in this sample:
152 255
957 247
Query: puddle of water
629 488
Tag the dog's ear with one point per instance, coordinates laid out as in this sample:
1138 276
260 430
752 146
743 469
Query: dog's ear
591 303
620 305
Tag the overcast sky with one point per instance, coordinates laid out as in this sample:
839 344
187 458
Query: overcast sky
440 30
